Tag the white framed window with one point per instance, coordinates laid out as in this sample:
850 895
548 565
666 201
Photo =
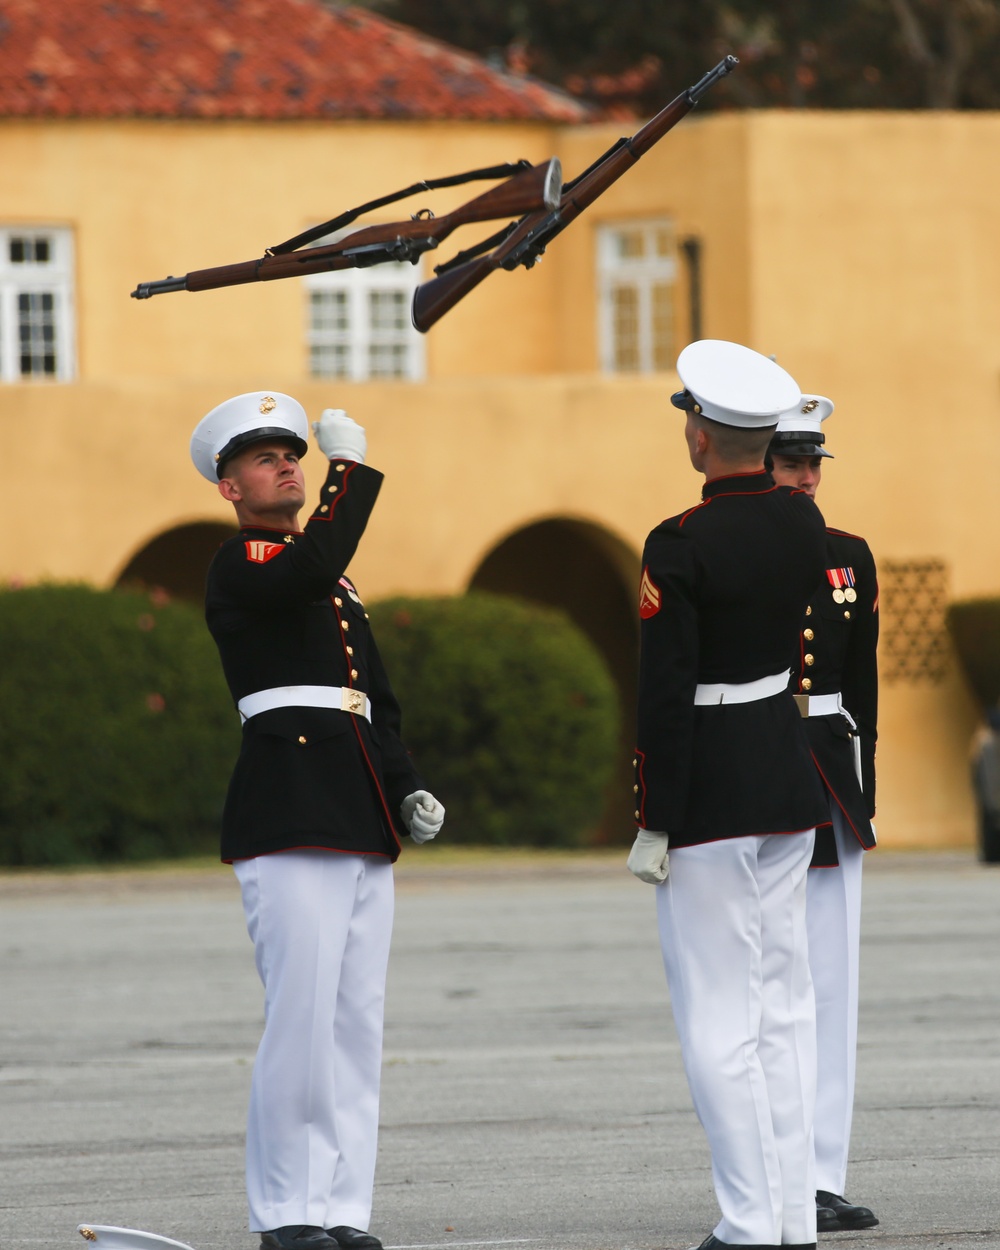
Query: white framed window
637 276
358 323
36 304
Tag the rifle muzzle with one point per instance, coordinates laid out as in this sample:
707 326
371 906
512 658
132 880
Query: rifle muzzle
145 290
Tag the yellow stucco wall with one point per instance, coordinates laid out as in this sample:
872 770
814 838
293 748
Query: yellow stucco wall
860 248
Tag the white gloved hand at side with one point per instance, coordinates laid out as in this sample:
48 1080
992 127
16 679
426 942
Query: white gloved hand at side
338 437
648 859
423 815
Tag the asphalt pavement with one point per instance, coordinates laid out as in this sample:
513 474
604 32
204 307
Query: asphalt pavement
533 1093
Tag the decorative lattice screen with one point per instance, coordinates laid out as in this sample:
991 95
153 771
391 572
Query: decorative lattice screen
913 641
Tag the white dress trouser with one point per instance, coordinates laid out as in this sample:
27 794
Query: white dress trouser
833 915
320 922
732 919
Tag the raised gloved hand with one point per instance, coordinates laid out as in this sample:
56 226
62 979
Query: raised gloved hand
648 859
423 815
338 437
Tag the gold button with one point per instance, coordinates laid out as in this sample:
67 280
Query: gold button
354 674
635 789
847 615
302 740
366 616
637 816
808 635
635 763
806 684
339 467
345 625
339 602
809 659
332 489
349 650
809 610
323 508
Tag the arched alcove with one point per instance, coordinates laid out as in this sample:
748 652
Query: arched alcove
592 576
177 560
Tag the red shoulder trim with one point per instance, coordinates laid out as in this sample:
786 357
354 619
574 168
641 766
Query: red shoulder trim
830 529
690 512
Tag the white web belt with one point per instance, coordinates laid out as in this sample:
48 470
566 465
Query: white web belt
340 698
712 693
823 705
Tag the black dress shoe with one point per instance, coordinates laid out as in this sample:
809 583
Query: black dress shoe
826 1219
353 1238
846 1213
297 1237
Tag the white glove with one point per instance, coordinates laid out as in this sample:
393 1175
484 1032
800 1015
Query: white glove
648 858
423 815
338 437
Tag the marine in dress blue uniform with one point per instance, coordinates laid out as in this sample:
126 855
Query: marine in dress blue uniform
320 797
836 678
727 797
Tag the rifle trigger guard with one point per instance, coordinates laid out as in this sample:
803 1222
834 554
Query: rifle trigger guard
422 214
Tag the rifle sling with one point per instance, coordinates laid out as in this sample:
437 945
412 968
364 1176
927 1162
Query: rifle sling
506 170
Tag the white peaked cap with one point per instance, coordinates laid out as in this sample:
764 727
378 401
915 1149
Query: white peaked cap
243 420
799 432
107 1237
734 385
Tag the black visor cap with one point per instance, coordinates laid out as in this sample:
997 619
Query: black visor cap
275 432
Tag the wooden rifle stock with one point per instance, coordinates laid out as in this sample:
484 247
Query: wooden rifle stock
535 189
431 300
527 241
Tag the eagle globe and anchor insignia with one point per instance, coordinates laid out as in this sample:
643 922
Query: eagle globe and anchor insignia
353 701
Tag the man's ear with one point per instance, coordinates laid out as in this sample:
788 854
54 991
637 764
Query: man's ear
229 490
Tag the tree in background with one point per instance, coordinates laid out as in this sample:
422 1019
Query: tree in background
631 57
864 53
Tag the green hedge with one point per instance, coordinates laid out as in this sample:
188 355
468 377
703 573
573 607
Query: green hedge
974 625
509 711
117 733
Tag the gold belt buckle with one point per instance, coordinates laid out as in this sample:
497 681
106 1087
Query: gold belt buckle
802 703
352 701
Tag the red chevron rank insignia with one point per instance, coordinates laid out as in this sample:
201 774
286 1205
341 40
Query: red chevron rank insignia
260 551
649 596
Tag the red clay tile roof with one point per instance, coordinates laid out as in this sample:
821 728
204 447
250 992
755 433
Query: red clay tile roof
274 59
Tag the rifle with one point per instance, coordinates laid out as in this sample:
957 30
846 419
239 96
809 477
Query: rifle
528 189
524 241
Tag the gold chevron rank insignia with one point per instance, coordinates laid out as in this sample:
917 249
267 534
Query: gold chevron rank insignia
649 596
259 552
